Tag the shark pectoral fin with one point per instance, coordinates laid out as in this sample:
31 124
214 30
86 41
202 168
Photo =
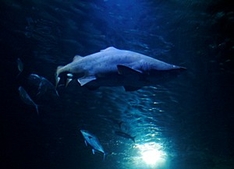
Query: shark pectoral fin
131 88
130 74
127 71
86 79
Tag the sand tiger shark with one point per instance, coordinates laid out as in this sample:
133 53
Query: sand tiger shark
115 67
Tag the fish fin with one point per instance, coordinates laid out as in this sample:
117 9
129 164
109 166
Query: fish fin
93 151
125 70
77 57
109 49
133 139
131 88
131 73
86 79
104 156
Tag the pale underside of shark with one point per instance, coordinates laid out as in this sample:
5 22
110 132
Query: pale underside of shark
115 67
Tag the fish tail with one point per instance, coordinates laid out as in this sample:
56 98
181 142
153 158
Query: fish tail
104 156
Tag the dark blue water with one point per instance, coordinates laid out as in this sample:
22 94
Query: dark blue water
188 120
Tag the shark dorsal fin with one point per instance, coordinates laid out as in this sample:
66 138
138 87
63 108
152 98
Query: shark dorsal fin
109 49
77 57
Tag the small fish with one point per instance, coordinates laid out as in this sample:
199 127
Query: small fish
125 135
26 98
43 84
93 142
20 66
48 85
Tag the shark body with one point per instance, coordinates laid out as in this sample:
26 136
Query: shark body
115 67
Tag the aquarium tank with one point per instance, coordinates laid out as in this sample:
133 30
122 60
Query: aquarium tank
117 84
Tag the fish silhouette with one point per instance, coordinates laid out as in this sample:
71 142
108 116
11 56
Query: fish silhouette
93 141
42 83
125 135
26 98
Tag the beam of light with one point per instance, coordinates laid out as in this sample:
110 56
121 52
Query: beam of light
152 154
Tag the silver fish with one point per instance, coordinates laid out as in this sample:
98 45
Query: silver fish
26 98
93 141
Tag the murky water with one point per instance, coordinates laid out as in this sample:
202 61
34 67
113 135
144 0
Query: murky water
184 123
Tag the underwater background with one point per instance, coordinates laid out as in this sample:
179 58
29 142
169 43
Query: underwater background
187 122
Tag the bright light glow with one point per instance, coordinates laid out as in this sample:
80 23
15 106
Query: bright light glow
152 154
